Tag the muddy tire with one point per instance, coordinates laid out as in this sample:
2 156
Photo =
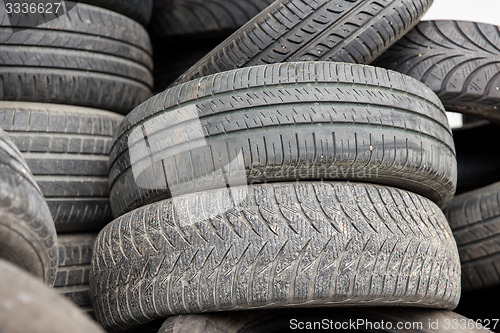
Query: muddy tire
274 245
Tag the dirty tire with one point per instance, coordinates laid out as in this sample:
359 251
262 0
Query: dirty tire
27 234
313 120
75 254
354 31
478 163
200 19
67 150
475 220
274 245
139 10
29 306
89 57
282 321
457 60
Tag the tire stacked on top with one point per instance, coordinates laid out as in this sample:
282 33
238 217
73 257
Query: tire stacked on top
259 180
285 30
66 82
217 187
231 188
458 58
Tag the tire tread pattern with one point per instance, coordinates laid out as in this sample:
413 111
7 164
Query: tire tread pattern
283 122
274 245
457 60
67 150
319 30
475 221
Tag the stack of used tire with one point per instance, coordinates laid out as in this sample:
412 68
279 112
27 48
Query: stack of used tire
28 240
457 54
273 174
69 74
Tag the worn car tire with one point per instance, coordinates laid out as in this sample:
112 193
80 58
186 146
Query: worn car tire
67 150
75 254
355 31
353 320
90 57
313 120
29 306
475 220
199 19
274 245
139 10
27 233
457 60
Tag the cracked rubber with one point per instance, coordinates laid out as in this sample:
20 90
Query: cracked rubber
475 220
75 254
312 120
67 150
199 19
285 320
274 245
354 31
27 234
89 57
29 306
139 10
457 60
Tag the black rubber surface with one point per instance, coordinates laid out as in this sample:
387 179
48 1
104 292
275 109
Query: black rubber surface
90 56
281 122
67 150
29 306
457 60
274 245
355 31
199 19
27 233
475 220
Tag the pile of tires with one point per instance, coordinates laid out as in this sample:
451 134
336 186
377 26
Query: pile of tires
68 76
456 54
28 255
297 155
273 174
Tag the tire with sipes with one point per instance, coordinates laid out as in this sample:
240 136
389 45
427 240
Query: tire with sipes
282 122
458 60
354 31
274 245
